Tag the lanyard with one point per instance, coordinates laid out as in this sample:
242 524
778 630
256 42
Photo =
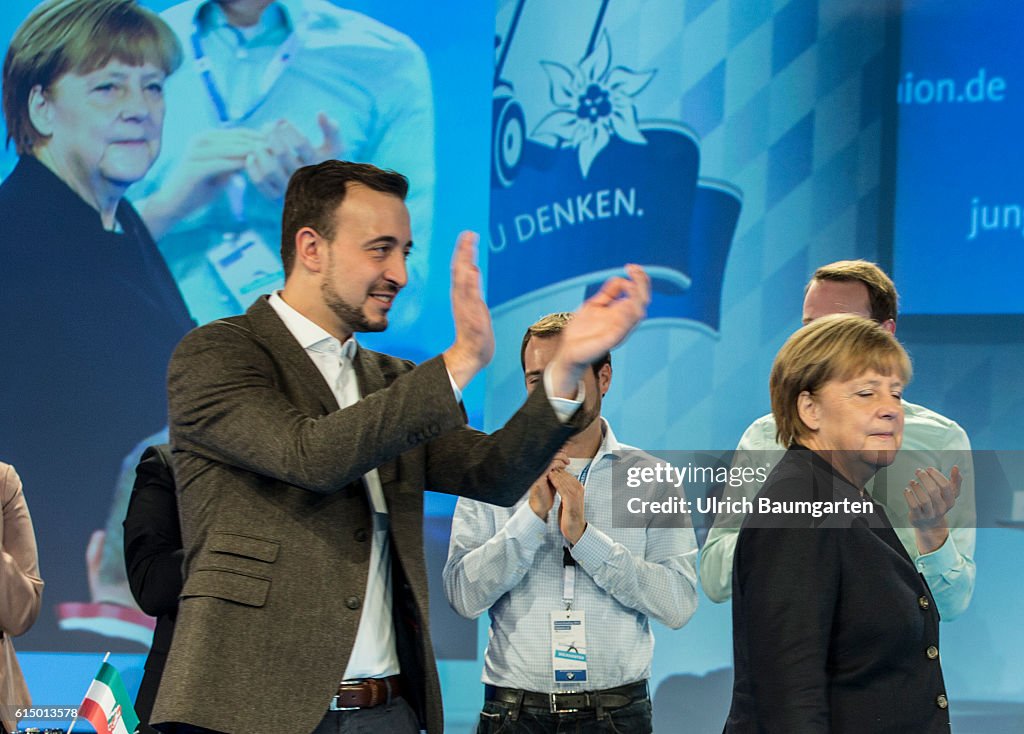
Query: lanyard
568 562
237 184
271 74
568 577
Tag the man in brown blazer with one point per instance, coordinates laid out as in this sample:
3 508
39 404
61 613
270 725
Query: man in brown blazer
21 591
301 459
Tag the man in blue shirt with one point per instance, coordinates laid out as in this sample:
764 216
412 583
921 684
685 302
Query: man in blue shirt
936 526
561 582
267 86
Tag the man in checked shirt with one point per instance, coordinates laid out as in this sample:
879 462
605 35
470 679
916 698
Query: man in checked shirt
569 595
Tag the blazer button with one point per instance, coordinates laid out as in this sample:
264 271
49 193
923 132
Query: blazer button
922 601
941 701
360 535
352 602
932 652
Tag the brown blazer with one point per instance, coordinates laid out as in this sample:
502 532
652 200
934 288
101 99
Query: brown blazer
276 525
21 589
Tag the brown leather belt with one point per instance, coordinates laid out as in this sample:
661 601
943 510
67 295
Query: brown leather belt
366 693
567 703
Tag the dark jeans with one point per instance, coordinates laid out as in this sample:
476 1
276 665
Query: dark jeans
394 718
632 719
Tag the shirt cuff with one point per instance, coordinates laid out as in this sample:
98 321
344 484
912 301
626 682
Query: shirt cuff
455 388
940 561
526 528
563 407
593 549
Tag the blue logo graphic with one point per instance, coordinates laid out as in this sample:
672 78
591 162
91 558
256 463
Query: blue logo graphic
589 186
594 103
568 655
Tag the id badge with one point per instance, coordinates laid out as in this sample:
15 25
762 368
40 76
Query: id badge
568 647
246 266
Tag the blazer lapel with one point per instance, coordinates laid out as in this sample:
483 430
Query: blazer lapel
368 373
290 356
888 535
370 379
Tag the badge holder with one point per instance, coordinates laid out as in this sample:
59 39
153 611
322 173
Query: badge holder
568 635
245 265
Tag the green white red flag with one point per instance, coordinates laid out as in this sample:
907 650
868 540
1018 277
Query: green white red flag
107 705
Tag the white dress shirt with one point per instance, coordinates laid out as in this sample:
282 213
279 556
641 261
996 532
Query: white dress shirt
373 654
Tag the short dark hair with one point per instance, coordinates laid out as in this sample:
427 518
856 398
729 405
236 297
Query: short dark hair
80 36
315 193
552 325
882 296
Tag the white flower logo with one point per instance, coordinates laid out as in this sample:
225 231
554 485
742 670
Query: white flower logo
594 102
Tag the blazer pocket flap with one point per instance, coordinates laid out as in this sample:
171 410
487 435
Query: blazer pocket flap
247 546
229 585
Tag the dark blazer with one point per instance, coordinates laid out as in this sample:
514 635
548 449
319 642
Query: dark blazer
153 555
276 524
89 330
834 630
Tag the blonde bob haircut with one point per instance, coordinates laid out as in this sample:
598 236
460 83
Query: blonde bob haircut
80 36
835 347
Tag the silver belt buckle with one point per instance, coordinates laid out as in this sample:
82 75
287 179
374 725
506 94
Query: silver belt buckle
554 707
333 706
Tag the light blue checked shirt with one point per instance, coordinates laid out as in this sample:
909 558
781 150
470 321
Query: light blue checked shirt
508 562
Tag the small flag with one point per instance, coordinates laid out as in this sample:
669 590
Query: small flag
107 705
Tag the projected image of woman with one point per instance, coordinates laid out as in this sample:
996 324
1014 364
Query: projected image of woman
90 312
834 629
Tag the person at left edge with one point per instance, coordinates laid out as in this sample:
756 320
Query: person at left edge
560 548
21 591
301 459
85 295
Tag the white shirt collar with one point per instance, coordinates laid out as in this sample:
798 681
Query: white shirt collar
609 444
309 335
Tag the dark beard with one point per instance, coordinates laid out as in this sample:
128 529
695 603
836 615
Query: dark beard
588 414
351 316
